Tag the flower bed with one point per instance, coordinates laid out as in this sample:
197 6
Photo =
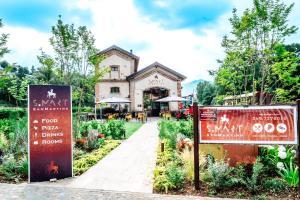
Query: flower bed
83 161
273 175
93 142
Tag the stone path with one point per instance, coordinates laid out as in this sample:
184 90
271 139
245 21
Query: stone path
129 167
54 192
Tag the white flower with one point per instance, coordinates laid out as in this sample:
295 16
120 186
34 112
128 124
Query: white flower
270 147
281 148
280 166
282 154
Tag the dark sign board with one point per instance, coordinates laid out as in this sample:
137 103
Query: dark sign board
50 132
248 125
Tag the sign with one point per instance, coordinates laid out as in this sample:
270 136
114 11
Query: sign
248 125
50 132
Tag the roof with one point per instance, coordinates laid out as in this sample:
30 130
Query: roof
155 65
239 96
127 53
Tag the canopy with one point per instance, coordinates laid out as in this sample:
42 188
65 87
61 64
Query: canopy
172 99
115 100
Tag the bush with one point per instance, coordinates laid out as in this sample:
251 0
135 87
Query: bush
88 160
280 159
275 185
219 175
168 173
114 129
12 113
12 169
253 183
175 175
18 140
7 126
3 143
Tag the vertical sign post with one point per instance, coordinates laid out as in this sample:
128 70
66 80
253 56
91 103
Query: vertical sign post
298 134
50 132
196 146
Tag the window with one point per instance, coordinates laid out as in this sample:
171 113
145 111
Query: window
114 68
114 90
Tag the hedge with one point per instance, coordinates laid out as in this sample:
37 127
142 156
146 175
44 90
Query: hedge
12 113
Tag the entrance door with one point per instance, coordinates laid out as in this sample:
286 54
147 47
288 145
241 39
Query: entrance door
150 97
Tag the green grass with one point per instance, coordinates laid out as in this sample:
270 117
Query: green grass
132 127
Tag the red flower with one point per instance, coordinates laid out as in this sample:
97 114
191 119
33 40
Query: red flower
100 135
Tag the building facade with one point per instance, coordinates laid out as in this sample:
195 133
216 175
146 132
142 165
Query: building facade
141 87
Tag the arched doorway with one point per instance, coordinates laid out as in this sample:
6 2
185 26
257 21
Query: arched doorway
150 96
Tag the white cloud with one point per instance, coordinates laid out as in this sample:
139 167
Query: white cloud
119 22
181 49
24 44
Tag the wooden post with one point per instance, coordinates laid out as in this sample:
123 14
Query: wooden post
196 146
162 147
298 136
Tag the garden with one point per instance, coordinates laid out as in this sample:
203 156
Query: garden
273 175
91 143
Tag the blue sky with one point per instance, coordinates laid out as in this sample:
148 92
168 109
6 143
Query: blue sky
174 14
182 34
40 14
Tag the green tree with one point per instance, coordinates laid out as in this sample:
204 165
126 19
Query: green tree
76 61
250 48
3 41
287 71
46 73
18 89
206 92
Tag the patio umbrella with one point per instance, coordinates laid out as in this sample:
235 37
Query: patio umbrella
172 98
117 100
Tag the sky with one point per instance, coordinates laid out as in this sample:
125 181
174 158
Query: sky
183 35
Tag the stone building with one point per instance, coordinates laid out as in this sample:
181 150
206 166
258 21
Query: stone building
141 87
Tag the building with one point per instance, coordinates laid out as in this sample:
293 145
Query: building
141 87
248 99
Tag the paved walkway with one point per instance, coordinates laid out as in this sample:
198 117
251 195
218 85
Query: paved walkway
45 192
129 167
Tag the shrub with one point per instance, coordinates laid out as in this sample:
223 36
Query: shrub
275 185
252 183
88 160
168 173
18 140
281 160
77 153
7 126
12 113
115 129
12 169
219 175
3 143
175 175
186 127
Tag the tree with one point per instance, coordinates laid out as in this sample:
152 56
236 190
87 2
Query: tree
287 71
76 61
3 41
46 73
18 89
206 92
250 47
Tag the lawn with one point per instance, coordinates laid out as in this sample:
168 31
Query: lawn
132 127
